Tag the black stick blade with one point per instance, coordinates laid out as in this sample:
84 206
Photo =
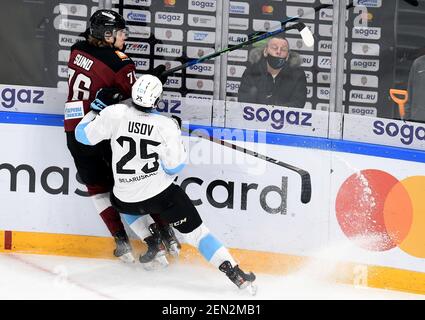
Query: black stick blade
305 187
414 3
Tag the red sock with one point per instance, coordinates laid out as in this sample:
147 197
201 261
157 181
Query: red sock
112 219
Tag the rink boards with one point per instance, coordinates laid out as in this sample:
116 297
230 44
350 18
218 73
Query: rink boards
253 206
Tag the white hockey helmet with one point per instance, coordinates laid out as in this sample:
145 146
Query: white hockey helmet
146 91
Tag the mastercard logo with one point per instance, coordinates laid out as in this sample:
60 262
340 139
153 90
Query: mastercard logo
169 2
387 213
267 9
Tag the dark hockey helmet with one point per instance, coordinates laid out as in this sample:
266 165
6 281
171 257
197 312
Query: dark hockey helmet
104 23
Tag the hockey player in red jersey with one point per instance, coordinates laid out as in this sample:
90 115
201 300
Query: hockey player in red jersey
147 152
100 71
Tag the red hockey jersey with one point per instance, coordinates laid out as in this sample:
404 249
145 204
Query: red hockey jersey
91 68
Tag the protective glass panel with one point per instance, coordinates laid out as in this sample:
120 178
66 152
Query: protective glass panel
281 83
384 74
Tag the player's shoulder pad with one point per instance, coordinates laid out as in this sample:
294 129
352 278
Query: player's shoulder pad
115 111
113 58
122 55
118 60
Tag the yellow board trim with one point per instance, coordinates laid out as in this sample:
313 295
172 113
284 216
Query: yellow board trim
1 241
258 261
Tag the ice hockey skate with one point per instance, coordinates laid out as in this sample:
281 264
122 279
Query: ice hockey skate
170 240
241 279
123 248
154 258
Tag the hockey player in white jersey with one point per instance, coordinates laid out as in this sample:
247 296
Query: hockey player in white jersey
148 151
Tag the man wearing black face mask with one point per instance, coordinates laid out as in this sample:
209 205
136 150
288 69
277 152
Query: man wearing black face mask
276 79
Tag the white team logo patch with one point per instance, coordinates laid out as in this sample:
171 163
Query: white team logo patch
74 110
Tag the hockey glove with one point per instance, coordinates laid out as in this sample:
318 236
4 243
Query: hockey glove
106 97
158 72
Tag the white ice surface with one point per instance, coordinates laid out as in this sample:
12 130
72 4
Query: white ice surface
53 277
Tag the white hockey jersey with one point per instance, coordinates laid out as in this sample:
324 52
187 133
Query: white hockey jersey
147 149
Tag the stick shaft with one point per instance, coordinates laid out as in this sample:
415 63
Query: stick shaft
254 38
229 49
305 176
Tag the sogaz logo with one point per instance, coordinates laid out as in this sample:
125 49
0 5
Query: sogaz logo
202 5
405 133
141 64
365 65
233 86
169 18
323 93
363 111
173 82
9 96
367 33
278 117
201 69
204 97
169 106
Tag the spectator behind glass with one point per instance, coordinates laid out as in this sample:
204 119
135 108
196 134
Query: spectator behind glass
276 79
415 107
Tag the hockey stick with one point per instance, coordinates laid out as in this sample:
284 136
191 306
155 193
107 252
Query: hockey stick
259 36
304 31
305 176
295 18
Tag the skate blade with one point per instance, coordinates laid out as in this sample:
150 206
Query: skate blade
174 250
157 263
127 258
249 287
